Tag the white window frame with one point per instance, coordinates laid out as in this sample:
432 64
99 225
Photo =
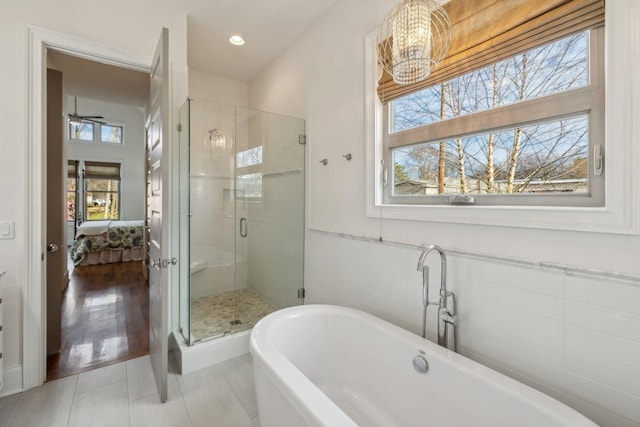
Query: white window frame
113 125
588 100
622 192
97 134
71 138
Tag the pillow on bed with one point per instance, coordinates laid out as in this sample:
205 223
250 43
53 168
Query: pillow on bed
93 228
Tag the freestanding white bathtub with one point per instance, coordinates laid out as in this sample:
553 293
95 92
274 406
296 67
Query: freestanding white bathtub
320 365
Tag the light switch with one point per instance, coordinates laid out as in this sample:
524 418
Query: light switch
7 230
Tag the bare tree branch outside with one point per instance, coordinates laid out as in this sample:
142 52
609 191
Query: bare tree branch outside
549 156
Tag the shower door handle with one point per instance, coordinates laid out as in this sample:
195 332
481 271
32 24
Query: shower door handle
244 227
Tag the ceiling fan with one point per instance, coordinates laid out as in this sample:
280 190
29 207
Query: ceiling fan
76 118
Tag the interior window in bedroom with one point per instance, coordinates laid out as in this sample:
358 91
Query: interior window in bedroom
111 133
102 190
81 131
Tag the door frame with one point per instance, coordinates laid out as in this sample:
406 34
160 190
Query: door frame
34 296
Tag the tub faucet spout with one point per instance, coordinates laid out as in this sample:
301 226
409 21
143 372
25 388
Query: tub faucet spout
445 316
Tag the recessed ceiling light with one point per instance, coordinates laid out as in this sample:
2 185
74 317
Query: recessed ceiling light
236 40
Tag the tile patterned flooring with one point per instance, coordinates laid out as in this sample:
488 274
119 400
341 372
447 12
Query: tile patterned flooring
125 394
212 315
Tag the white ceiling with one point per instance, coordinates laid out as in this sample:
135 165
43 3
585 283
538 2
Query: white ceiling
268 26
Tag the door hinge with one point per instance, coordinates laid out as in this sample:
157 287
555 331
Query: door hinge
301 293
302 139
179 127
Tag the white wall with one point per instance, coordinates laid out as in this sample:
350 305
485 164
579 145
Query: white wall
550 308
224 91
132 27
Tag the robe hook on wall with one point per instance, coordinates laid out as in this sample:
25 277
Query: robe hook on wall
347 156
324 161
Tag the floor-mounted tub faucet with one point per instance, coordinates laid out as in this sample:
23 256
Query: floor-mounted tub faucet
445 316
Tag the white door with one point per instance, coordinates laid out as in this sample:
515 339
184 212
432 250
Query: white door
158 134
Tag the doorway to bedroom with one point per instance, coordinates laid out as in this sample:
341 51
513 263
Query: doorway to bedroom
102 311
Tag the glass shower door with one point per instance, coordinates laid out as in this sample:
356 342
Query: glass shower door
211 232
269 214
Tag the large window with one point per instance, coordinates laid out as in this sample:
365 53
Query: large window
525 130
488 32
513 115
102 190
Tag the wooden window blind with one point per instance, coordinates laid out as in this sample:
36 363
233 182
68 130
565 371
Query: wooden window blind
101 170
488 31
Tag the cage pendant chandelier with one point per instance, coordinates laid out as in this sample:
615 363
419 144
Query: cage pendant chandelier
413 39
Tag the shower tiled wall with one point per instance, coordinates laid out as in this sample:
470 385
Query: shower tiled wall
572 334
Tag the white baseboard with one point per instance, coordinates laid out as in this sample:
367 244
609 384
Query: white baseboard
203 354
11 381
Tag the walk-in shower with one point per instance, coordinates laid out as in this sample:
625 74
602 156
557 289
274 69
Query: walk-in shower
242 217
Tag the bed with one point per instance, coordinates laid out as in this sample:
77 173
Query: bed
103 242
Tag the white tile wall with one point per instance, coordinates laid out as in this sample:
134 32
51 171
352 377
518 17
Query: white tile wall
605 346
575 338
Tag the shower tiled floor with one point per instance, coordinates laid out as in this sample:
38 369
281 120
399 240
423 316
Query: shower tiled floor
212 315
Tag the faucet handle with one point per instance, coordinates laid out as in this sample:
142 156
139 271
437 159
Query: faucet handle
447 316
453 302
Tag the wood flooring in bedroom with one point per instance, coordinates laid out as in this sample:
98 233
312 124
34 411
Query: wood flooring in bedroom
105 318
